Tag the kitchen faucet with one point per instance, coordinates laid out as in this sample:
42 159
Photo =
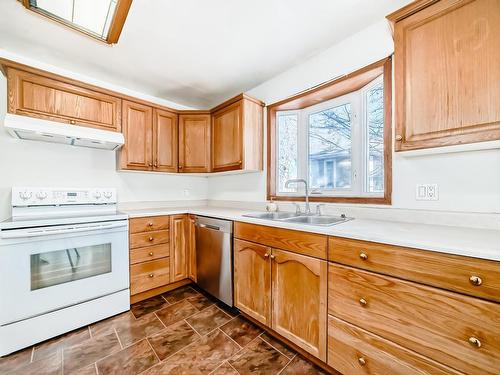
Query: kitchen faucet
295 181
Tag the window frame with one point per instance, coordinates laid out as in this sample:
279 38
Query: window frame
115 28
318 97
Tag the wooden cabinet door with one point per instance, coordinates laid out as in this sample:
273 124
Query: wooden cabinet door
447 74
194 143
138 132
227 136
165 141
192 248
178 247
252 280
299 300
50 99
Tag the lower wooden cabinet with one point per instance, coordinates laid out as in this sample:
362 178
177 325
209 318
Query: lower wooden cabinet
353 351
149 275
178 247
252 280
191 247
285 291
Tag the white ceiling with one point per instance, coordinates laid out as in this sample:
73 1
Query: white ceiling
194 52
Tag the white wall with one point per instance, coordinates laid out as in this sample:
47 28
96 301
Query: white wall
468 181
31 163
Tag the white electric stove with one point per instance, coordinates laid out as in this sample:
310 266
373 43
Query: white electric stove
63 263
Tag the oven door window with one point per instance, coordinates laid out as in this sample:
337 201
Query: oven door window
62 266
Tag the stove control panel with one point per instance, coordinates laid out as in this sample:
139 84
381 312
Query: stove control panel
29 196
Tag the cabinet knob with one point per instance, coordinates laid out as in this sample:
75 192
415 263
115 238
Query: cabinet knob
72 122
240 162
363 302
363 256
362 361
266 255
151 275
474 342
156 165
273 257
475 280
151 254
150 164
150 224
399 137
151 238
180 166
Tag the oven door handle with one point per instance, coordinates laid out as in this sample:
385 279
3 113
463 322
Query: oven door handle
37 232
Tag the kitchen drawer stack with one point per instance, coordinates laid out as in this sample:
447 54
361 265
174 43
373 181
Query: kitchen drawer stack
398 310
149 253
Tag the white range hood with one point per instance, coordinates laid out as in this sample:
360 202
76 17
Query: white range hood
34 129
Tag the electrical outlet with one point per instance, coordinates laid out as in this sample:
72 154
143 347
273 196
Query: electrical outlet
185 192
427 192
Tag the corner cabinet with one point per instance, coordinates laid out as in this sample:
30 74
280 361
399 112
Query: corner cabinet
150 138
194 143
447 73
237 133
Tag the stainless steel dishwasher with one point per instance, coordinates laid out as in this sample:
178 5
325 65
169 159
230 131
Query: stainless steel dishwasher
214 257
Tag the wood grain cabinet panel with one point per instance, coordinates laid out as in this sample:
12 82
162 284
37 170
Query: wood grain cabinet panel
149 275
178 247
299 300
165 141
237 132
459 331
145 254
292 240
475 277
148 224
252 280
50 99
149 239
192 274
447 73
137 129
194 143
354 351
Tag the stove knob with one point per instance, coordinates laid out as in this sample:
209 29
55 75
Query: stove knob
108 194
97 194
25 195
41 195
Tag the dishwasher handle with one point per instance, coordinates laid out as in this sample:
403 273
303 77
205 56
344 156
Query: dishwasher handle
208 226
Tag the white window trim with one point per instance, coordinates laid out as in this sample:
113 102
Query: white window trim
359 143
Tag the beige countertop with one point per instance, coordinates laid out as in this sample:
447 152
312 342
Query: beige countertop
473 242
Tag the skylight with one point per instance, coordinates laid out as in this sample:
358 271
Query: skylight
101 19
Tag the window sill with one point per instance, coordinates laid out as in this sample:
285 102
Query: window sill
386 200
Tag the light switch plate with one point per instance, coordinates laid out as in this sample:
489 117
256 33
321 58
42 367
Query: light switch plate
427 192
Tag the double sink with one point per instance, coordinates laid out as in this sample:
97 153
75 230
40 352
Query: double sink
290 217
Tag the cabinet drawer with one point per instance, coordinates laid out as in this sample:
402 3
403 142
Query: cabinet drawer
149 275
148 239
476 277
352 350
299 242
144 254
148 224
439 324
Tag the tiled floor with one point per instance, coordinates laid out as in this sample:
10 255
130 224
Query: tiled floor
180 332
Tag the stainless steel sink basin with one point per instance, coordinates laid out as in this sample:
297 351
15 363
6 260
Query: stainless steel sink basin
272 215
323 220
289 217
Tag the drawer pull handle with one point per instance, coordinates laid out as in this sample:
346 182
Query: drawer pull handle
363 256
362 361
151 238
475 280
266 255
475 342
363 302
151 254
151 275
150 224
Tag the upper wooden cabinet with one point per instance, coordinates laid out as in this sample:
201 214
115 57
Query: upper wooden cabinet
47 98
138 132
164 141
150 138
447 73
194 143
237 135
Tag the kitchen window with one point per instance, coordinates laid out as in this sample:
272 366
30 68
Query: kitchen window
337 137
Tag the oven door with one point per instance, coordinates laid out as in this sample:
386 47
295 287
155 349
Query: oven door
47 269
